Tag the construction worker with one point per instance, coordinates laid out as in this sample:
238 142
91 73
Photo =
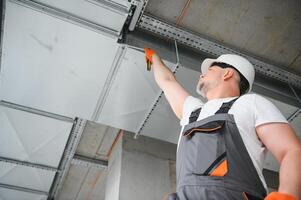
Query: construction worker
223 142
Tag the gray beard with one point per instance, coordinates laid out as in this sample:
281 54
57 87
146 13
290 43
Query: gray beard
200 89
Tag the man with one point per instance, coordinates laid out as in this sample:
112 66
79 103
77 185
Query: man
223 141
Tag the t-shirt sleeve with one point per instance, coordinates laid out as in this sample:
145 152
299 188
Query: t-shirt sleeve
190 104
266 112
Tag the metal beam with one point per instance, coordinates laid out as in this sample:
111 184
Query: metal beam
27 164
35 111
109 81
89 162
191 58
140 5
2 17
69 152
66 16
215 49
23 189
294 115
112 6
136 15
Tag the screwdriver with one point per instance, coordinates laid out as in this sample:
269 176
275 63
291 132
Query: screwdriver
148 62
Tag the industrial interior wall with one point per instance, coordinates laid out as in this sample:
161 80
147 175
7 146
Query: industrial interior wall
113 175
147 169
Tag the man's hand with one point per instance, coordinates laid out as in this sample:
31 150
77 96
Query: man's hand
149 54
149 57
280 196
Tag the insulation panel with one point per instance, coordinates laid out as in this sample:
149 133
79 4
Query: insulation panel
59 67
132 94
33 138
93 11
27 177
7 194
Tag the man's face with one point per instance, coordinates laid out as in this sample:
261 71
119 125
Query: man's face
210 80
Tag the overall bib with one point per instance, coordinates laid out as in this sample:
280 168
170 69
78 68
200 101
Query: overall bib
213 162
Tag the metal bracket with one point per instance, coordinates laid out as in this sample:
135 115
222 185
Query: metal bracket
140 8
23 189
193 40
28 164
35 111
69 152
89 162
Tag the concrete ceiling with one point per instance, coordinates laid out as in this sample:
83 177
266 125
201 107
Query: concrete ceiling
89 181
267 29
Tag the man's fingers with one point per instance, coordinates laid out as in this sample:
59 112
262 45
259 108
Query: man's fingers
149 54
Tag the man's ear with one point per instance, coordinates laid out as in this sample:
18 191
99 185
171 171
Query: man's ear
228 73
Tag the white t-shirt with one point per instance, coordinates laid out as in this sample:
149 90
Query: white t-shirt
249 111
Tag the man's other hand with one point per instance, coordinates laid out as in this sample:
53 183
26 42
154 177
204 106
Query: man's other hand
280 196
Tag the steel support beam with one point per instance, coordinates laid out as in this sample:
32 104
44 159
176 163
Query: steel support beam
27 164
215 49
89 162
61 14
112 6
69 152
23 189
294 115
140 5
191 58
35 111
2 17
109 81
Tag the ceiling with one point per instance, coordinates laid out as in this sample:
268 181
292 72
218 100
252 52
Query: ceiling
268 29
67 87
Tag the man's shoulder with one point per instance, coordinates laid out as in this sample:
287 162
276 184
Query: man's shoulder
251 97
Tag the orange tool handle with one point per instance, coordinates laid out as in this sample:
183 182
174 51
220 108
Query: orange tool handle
149 54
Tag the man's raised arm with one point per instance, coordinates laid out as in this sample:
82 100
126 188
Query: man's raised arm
174 92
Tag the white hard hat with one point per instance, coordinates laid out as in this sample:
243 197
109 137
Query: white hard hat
239 63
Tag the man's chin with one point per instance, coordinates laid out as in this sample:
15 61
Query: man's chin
200 91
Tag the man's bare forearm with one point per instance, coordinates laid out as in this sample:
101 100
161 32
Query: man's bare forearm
290 173
161 72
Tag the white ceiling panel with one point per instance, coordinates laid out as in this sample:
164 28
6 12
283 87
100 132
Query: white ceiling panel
122 2
131 95
163 124
26 177
53 65
7 194
93 11
33 138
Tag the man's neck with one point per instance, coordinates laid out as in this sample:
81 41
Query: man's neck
221 93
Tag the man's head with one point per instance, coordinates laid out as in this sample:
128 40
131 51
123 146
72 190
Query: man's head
231 74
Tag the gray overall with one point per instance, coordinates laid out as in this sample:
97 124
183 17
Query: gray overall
213 162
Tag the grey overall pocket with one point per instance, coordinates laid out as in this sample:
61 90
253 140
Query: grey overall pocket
206 149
